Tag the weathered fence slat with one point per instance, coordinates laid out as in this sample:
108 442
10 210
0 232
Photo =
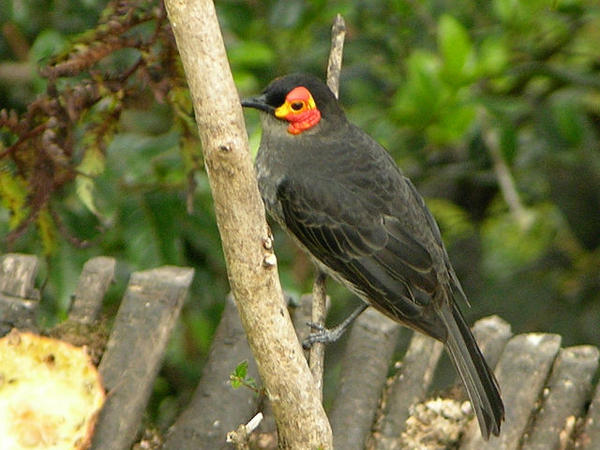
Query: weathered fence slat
408 387
521 372
564 398
545 389
135 349
17 275
418 365
364 371
492 333
216 408
590 436
18 297
97 275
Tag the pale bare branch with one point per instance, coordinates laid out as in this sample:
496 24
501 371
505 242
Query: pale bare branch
251 265
319 308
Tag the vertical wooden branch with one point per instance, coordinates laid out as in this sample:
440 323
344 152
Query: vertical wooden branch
334 65
251 263
319 307
316 356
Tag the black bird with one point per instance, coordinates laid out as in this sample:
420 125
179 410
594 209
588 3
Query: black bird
345 201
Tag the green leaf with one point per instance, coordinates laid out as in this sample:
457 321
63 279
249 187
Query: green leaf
454 121
422 92
47 231
238 376
13 195
47 44
241 370
507 10
236 383
84 186
456 49
91 165
493 57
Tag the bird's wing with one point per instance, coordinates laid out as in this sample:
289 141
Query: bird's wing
350 228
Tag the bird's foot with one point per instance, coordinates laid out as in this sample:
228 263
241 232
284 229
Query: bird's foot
329 335
322 335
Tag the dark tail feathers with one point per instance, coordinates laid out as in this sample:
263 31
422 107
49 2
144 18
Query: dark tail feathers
478 379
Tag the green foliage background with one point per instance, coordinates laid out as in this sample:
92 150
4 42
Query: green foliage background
451 89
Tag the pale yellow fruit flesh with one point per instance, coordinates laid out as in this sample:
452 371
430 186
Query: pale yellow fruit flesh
50 394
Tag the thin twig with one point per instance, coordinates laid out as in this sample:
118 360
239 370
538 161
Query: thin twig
240 437
505 178
319 297
334 65
316 359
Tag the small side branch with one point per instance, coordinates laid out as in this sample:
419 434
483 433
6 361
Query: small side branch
319 309
240 437
334 66
319 312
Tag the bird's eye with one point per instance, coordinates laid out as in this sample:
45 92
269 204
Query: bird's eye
297 106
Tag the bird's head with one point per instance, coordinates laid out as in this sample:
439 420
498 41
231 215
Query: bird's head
299 102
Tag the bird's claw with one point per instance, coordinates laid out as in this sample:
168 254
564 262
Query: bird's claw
322 335
316 326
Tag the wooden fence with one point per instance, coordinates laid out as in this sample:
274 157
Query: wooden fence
548 390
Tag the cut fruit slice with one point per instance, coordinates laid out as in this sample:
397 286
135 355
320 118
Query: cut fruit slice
50 394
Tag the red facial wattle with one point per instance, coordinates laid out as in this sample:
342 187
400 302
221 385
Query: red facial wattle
303 121
300 110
